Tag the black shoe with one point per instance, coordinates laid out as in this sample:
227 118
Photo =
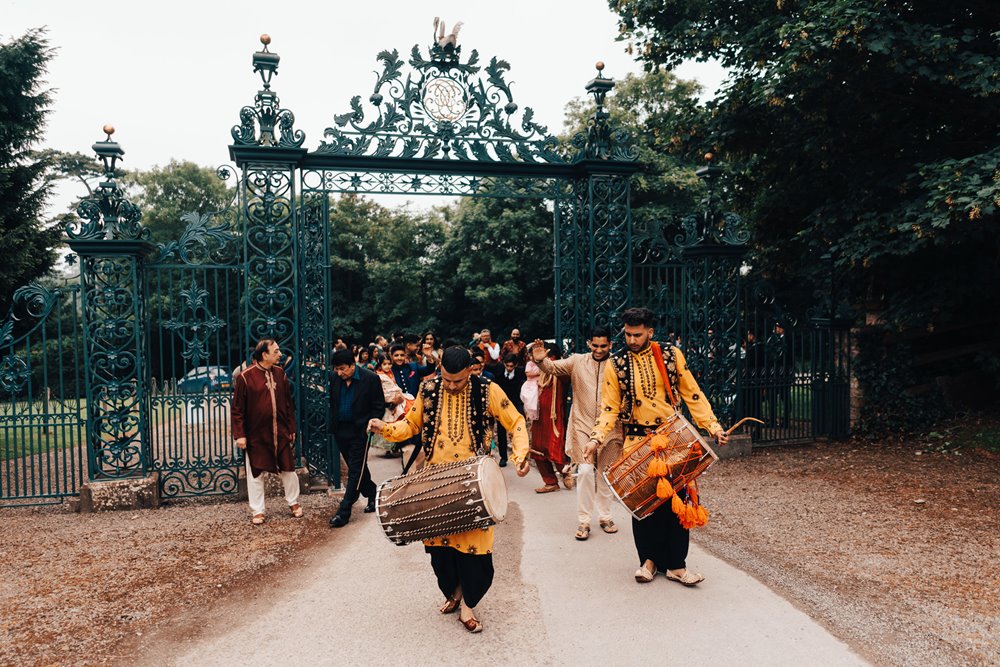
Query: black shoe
370 507
503 464
339 520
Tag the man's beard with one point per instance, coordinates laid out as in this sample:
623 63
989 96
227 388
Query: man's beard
637 347
601 357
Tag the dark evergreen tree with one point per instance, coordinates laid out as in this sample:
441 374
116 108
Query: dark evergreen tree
26 242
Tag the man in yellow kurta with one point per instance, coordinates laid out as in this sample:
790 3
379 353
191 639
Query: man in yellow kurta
454 415
641 388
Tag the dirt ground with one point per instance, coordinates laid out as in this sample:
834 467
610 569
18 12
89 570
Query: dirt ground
895 549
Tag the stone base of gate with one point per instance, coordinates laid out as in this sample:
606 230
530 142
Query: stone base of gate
135 493
272 484
740 444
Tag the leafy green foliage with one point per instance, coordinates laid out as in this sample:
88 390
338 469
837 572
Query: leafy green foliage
885 372
166 194
382 262
495 268
865 129
653 108
480 262
27 251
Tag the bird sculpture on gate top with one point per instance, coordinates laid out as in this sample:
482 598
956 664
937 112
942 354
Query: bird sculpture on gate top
450 39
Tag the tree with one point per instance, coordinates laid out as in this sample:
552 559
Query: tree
653 108
166 194
495 267
27 251
382 263
868 130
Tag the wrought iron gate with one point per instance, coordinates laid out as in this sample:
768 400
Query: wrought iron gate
43 457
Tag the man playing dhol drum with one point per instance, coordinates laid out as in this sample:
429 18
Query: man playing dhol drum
454 415
639 384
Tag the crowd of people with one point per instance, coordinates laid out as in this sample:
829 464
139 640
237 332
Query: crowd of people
508 399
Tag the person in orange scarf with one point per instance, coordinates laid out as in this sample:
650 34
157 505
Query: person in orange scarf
642 387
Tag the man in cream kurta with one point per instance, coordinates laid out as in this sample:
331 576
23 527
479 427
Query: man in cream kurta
637 393
586 372
463 563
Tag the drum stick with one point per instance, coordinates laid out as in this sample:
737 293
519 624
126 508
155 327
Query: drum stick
740 423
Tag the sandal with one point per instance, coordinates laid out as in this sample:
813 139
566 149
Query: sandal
583 532
548 488
473 625
568 481
450 605
687 578
644 576
257 519
609 526
296 511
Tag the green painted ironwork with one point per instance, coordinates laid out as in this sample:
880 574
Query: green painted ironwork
194 297
112 245
42 395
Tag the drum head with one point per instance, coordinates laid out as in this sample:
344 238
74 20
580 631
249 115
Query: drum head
493 489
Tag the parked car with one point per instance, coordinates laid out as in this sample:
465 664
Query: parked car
203 379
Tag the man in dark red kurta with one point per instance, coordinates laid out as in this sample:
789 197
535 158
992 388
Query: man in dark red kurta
263 422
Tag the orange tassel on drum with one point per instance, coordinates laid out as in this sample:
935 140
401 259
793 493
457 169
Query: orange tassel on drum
663 488
677 505
657 468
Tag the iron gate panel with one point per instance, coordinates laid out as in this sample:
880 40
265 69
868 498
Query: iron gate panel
194 300
43 406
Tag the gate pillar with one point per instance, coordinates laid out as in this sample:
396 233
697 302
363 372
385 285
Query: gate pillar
593 240
713 249
112 244
286 255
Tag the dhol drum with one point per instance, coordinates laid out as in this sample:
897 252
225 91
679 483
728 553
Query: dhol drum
679 444
442 500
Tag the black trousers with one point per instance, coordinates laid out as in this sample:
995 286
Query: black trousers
453 568
351 441
501 434
661 538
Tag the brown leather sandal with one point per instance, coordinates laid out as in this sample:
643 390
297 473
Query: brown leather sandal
583 531
296 511
450 605
473 625
257 519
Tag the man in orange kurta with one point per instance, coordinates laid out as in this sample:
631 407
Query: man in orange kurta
463 563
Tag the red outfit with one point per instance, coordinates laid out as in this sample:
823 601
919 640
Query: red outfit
548 432
262 412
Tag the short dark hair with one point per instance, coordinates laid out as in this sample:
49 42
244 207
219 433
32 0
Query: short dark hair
411 339
263 345
600 332
456 359
396 347
478 354
638 317
342 358
510 358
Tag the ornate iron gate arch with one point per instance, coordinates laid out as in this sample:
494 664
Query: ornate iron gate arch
436 123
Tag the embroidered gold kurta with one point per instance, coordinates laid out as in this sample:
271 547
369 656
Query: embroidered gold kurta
453 442
650 406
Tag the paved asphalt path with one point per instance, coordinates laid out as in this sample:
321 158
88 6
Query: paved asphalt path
554 601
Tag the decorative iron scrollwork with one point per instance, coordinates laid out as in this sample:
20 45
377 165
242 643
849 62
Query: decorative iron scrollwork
444 109
266 123
107 213
194 325
14 374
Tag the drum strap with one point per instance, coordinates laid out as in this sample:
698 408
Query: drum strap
662 367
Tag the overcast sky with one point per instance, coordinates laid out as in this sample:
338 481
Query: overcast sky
172 76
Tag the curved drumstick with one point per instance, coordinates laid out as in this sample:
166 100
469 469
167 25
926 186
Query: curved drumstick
740 423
